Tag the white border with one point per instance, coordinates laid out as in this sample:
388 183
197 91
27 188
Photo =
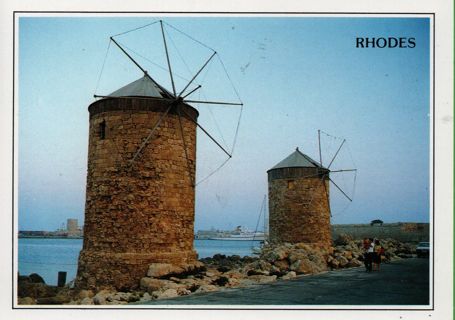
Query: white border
443 135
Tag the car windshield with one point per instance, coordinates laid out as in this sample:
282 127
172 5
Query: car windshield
424 244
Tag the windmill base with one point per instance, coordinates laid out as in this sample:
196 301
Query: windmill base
123 271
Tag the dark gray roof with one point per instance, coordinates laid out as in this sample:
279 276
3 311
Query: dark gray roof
297 159
143 87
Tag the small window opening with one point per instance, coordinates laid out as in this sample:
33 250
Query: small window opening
290 184
103 129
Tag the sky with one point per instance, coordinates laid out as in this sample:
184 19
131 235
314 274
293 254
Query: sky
294 75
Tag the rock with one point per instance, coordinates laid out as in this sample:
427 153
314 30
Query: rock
146 297
334 264
221 281
207 288
283 265
102 297
258 267
347 254
87 300
52 300
354 263
84 294
235 273
275 254
158 270
219 257
303 246
233 282
121 296
223 268
35 290
262 279
181 291
256 272
212 273
307 266
151 284
289 275
343 261
343 239
26 301
166 294
296 256
36 278
246 282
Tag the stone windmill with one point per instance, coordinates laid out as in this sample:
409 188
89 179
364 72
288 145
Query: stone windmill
299 202
140 193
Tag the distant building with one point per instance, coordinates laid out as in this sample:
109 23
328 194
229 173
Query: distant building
71 225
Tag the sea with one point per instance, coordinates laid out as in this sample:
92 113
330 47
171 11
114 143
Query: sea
48 256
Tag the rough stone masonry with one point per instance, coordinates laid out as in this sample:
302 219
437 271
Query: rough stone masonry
299 205
140 213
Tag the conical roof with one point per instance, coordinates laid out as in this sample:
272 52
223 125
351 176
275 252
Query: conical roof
297 159
143 87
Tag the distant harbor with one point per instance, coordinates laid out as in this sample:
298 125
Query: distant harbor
238 234
71 231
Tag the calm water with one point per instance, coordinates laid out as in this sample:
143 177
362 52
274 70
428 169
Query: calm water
49 256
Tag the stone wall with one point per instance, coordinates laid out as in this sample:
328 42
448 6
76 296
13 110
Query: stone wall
401 231
299 210
140 213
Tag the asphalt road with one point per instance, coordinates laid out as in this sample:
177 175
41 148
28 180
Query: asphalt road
404 282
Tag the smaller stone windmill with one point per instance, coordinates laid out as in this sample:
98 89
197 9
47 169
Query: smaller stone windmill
299 201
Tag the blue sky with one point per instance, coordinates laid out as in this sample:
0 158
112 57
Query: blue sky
295 75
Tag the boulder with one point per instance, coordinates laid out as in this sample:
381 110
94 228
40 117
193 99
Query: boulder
102 297
26 301
87 301
334 263
279 253
289 275
343 239
354 263
233 283
347 254
207 288
52 300
159 270
297 256
283 265
343 261
262 278
307 266
36 278
151 284
35 290
146 297
84 294
221 281
167 294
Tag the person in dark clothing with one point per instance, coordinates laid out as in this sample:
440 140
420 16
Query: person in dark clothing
368 253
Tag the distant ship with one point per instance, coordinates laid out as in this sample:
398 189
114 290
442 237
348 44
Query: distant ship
242 234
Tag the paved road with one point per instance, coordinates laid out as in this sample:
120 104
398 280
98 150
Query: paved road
404 282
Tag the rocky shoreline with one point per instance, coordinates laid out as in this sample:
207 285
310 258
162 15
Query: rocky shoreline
220 272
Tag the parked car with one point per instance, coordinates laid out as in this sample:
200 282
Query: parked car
423 249
376 222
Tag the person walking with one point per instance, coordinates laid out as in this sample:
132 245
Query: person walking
377 255
368 253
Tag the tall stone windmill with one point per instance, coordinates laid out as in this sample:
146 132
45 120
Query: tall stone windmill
140 193
299 201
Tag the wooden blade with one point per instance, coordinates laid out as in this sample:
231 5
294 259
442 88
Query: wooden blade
340 190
